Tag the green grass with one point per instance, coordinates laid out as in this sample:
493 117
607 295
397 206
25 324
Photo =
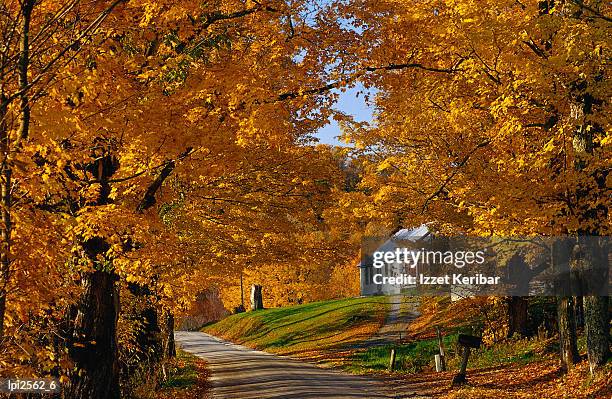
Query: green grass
311 327
519 351
182 375
418 356
321 327
410 357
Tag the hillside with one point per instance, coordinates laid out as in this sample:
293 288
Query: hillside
305 330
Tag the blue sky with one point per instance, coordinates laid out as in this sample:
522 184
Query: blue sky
350 103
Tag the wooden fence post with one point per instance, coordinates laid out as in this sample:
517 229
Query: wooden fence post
438 360
392 360
441 349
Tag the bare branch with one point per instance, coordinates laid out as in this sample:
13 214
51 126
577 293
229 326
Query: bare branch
452 175
91 28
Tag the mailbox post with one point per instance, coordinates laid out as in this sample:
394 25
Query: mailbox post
467 342
441 356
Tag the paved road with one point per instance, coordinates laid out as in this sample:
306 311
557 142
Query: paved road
241 373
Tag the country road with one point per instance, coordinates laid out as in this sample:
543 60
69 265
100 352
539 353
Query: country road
242 373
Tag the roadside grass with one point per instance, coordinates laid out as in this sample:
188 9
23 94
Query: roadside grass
187 377
303 329
415 354
182 372
411 357
514 351
418 356
509 368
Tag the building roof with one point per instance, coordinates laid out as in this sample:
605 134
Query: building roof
412 234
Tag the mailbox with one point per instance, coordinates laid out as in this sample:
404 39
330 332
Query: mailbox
469 341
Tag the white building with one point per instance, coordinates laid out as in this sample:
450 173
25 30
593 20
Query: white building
397 240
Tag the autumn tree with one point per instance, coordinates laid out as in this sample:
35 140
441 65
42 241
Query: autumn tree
180 129
39 39
491 120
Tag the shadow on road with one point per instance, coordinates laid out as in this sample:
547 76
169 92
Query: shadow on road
241 373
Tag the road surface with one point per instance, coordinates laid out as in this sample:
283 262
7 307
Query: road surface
242 373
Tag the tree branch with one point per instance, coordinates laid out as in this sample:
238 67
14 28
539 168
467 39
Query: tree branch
394 67
391 67
24 63
148 199
90 28
598 14
452 175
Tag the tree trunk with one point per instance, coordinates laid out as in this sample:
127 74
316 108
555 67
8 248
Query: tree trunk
567 332
596 311
5 223
517 315
169 345
5 171
441 349
5 251
597 328
148 338
579 310
595 302
94 343
566 318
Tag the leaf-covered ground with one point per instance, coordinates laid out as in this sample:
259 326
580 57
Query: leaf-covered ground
509 368
536 380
